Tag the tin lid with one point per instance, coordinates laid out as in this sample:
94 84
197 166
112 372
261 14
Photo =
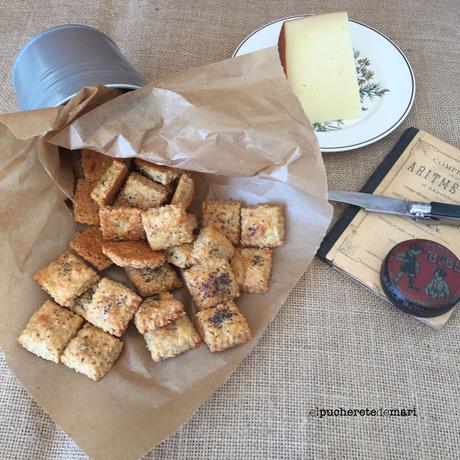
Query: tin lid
57 63
421 278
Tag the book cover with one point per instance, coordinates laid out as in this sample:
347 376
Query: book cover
419 168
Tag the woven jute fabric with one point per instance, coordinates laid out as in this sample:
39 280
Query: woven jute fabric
333 344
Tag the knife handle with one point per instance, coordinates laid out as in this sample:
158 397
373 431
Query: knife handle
441 210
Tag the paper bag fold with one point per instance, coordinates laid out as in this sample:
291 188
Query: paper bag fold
238 123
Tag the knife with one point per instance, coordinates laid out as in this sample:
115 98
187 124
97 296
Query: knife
432 212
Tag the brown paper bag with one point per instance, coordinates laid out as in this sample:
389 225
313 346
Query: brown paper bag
236 122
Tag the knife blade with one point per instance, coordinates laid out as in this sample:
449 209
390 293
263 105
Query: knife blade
433 211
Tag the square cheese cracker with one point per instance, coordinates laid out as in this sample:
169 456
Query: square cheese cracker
225 216
262 226
168 226
172 340
150 281
49 330
107 187
158 311
136 254
212 243
66 278
143 193
112 307
88 245
86 210
185 191
94 164
162 174
121 223
180 256
252 268
211 282
222 327
92 352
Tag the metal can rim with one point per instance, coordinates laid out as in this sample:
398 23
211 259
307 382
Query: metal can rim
47 31
109 85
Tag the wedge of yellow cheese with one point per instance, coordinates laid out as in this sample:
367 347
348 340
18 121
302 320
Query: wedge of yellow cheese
317 57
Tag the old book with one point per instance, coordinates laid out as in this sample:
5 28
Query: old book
419 168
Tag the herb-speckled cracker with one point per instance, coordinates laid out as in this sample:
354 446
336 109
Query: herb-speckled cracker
225 216
158 311
162 174
143 193
262 226
136 254
222 327
112 307
180 256
252 268
211 282
121 223
94 164
107 187
168 226
66 278
49 330
185 191
172 340
212 243
86 210
88 244
83 302
92 352
150 281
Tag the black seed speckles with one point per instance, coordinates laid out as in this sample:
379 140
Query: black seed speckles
257 260
251 231
218 318
217 284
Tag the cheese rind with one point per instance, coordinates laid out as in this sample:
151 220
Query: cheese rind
317 56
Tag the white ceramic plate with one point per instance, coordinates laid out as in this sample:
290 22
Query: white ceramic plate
387 86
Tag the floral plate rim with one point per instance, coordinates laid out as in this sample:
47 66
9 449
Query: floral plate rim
363 143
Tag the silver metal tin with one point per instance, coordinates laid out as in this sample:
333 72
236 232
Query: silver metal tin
58 62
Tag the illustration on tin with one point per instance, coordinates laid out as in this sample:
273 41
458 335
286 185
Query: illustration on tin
409 264
437 288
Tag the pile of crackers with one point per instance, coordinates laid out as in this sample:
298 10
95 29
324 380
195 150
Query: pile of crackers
136 217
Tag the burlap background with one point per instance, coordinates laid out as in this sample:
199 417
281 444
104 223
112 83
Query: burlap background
333 344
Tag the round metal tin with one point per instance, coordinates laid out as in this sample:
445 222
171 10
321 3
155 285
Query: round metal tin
421 277
58 62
